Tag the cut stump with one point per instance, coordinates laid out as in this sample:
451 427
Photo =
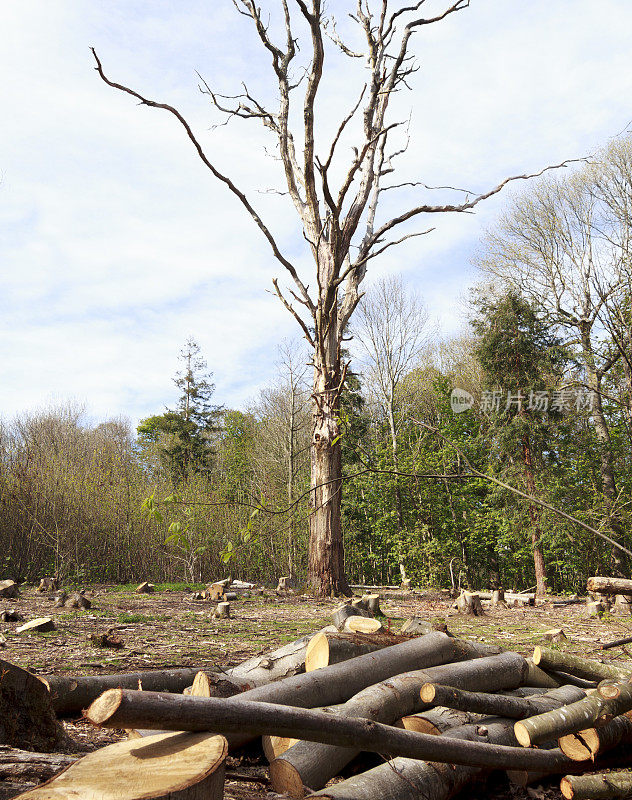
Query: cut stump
39 625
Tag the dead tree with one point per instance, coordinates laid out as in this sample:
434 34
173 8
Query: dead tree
337 204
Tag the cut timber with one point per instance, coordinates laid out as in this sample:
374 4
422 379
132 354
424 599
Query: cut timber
145 588
27 718
372 603
77 600
230 596
211 684
123 708
609 585
596 787
332 647
48 585
362 625
171 766
314 764
71 694
28 766
39 625
538 677
586 744
599 708
275 746
437 720
416 626
498 704
581 667
8 589
470 603
216 590
554 635
222 611
408 779
342 613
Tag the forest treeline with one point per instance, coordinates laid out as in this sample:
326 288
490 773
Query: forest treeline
536 394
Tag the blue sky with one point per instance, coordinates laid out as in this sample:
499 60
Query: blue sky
116 244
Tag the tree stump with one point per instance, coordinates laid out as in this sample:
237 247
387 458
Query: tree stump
498 598
554 635
145 588
39 625
77 600
48 585
470 603
9 589
10 615
372 604
167 766
596 609
416 627
60 599
222 611
215 591
285 584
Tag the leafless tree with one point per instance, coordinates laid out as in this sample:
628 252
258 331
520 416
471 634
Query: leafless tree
391 329
338 215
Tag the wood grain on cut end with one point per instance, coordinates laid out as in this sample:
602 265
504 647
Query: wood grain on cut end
105 705
153 768
580 746
275 746
317 653
566 788
427 692
286 779
522 734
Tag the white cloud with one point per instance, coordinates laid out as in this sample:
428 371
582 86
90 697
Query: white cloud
116 244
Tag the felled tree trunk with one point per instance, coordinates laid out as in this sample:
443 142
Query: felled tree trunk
607 702
582 667
27 718
538 677
27 766
313 764
498 704
597 787
186 766
346 611
70 695
332 647
437 720
588 743
362 625
609 585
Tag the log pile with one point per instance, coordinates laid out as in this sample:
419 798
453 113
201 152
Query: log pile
441 710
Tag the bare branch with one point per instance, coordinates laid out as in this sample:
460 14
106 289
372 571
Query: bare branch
293 312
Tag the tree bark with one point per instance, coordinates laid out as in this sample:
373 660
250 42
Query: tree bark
586 744
437 720
70 695
27 718
27 766
609 585
597 787
122 708
313 765
172 766
534 515
329 647
607 702
498 704
581 667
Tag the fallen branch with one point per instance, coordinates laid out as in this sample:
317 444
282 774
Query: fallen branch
498 704
581 667
596 787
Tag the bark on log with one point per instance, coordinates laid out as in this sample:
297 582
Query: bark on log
172 766
212 684
586 744
77 600
313 765
597 787
497 704
437 720
407 779
362 625
582 667
616 643
609 585
123 708
538 677
342 614
9 589
27 718
599 708
332 647
565 679
28 766
70 695
416 627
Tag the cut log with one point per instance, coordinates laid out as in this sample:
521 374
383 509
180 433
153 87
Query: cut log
582 667
407 779
71 694
27 718
222 611
469 603
372 604
216 590
314 764
362 625
595 787
343 612
185 766
414 626
538 677
212 684
9 589
48 585
77 600
586 744
498 704
39 625
554 635
275 746
145 588
437 720
123 708
609 585
564 678
607 702
228 596
27 766
332 647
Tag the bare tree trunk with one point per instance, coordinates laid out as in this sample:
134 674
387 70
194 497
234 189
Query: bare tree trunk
534 515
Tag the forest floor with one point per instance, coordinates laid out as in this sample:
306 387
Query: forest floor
169 629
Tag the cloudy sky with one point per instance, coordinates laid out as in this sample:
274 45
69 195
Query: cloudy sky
116 244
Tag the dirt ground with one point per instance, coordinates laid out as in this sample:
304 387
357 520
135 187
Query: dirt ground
169 629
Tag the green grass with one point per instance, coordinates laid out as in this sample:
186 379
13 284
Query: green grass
130 588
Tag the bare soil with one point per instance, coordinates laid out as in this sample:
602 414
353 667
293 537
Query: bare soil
169 629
